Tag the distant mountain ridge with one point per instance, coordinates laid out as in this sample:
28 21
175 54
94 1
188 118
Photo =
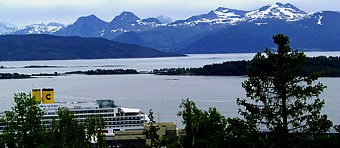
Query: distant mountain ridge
128 21
86 26
48 47
222 30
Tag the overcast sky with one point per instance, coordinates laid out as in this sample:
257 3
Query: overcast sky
24 12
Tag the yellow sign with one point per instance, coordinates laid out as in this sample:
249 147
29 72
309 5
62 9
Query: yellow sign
47 96
36 95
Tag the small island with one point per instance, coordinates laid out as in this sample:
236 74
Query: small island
41 66
14 76
105 72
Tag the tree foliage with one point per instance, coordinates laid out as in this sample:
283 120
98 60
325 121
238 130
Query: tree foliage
66 132
230 68
241 134
23 127
202 128
282 101
328 66
151 132
105 72
94 126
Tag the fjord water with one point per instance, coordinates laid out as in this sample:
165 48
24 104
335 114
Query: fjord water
163 94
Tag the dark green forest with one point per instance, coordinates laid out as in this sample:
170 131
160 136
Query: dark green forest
327 66
105 72
14 76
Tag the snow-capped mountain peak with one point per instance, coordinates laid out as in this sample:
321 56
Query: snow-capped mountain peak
228 10
126 22
219 16
278 11
164 19
229 13
6 28
227 16
39 28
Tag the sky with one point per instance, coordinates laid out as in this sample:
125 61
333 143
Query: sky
25 12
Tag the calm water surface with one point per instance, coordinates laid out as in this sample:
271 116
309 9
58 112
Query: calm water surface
161 93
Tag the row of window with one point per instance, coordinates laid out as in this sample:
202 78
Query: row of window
122 118
124 122
135 129
102 115
92 111
46 122
49 105
116 128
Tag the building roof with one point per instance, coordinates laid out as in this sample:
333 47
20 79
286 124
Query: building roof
130 110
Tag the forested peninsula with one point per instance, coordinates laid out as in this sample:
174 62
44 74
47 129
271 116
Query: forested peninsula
326 66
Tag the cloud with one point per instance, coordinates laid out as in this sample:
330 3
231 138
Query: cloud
48 3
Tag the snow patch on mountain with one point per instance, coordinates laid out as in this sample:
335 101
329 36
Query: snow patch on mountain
119 30
319 20
259 24
318 16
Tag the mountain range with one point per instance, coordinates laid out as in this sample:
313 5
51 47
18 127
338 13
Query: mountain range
222 30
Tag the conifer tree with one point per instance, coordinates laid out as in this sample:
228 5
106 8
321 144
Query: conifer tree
279 99
151 132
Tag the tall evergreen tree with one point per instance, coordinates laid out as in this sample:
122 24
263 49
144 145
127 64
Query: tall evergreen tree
151 132
282 101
